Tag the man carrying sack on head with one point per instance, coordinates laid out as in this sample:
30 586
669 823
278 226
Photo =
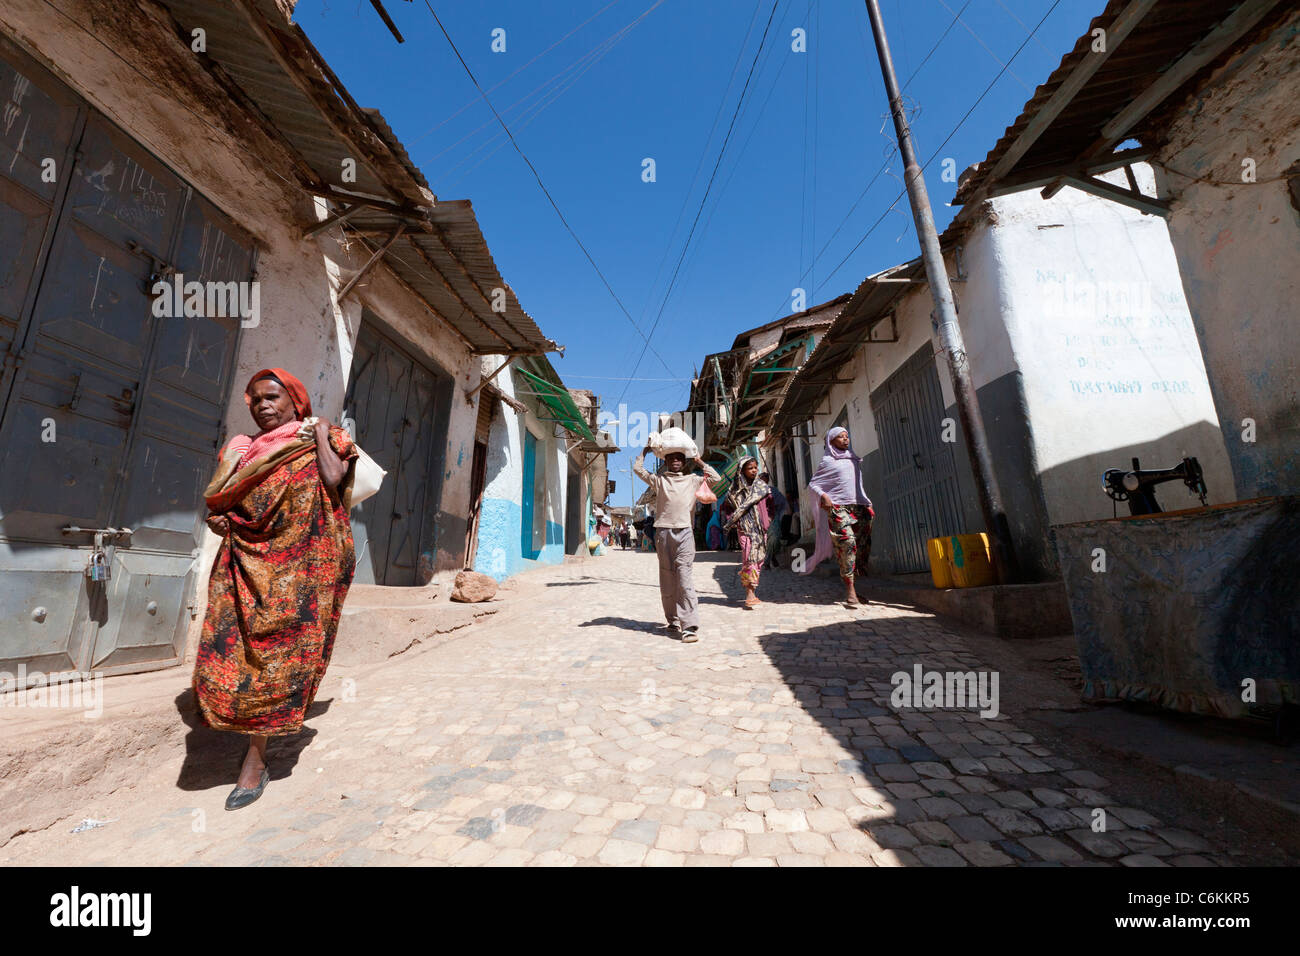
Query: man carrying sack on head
676 493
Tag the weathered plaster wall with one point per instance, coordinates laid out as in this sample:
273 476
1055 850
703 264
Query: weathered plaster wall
501 550
136 71
1238 246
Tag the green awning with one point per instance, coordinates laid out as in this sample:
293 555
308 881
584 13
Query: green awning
563 407
764 385
728 470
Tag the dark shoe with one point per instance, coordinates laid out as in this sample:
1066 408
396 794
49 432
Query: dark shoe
241 797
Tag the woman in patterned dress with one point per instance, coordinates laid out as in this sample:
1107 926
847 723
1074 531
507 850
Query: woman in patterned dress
279 500
844 512
746 502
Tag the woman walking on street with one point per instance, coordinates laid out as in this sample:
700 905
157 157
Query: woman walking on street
748 503
844 512
279 500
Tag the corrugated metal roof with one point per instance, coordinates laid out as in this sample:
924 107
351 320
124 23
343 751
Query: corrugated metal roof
869 304
443 257
1165 33
809 316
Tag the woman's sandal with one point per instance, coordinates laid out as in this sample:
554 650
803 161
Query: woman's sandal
243 796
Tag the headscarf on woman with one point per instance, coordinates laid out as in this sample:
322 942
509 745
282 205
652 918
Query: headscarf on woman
839 475
745 502
277 585
252 446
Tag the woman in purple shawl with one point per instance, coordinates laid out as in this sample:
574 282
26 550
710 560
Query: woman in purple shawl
844 512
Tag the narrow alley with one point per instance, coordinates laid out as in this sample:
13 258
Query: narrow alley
570 729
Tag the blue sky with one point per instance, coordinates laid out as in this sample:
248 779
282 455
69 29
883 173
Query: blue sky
640 79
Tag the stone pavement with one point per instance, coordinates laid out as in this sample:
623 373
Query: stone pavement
571 729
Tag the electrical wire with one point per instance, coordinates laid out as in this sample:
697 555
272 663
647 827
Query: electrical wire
987 48
880 172
712 177
556 83
737 162
959 125
1041 45
699 163
549 198
530 114
501 83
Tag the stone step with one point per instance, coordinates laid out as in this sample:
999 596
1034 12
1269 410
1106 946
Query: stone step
371 631
1007 610
378 595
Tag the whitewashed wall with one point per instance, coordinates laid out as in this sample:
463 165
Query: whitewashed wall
1114 371
1104 341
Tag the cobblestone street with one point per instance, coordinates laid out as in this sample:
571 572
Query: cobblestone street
571 729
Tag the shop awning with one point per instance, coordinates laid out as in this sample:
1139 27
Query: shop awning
351 158
564 410
765 383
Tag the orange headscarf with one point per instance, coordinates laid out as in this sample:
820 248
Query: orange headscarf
296 389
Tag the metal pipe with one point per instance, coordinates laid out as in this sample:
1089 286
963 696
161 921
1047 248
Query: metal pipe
950 336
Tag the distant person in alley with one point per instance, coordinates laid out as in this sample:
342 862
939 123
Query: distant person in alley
675 493
279 500
844 512
779 507
748 502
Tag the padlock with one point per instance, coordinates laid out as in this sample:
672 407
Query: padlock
97 568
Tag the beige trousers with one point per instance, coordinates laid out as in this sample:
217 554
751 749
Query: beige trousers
676 550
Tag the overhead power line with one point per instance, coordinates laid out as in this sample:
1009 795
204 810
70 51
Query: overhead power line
546 91
503 82
527 116
712 177
549 198
987 48
953 133
699 163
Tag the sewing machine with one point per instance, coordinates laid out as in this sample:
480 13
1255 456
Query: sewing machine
1136 486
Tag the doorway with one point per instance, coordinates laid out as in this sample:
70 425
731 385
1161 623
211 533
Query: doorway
110 415
920 475
400 407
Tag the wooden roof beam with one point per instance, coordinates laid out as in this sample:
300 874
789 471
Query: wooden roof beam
372 262
1118 30
1232 28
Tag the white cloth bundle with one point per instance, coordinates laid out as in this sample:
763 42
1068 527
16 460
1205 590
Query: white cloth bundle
673 440
367 476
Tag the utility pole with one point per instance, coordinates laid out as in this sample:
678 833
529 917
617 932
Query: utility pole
950 336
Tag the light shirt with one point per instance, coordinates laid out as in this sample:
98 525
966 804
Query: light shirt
674 494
